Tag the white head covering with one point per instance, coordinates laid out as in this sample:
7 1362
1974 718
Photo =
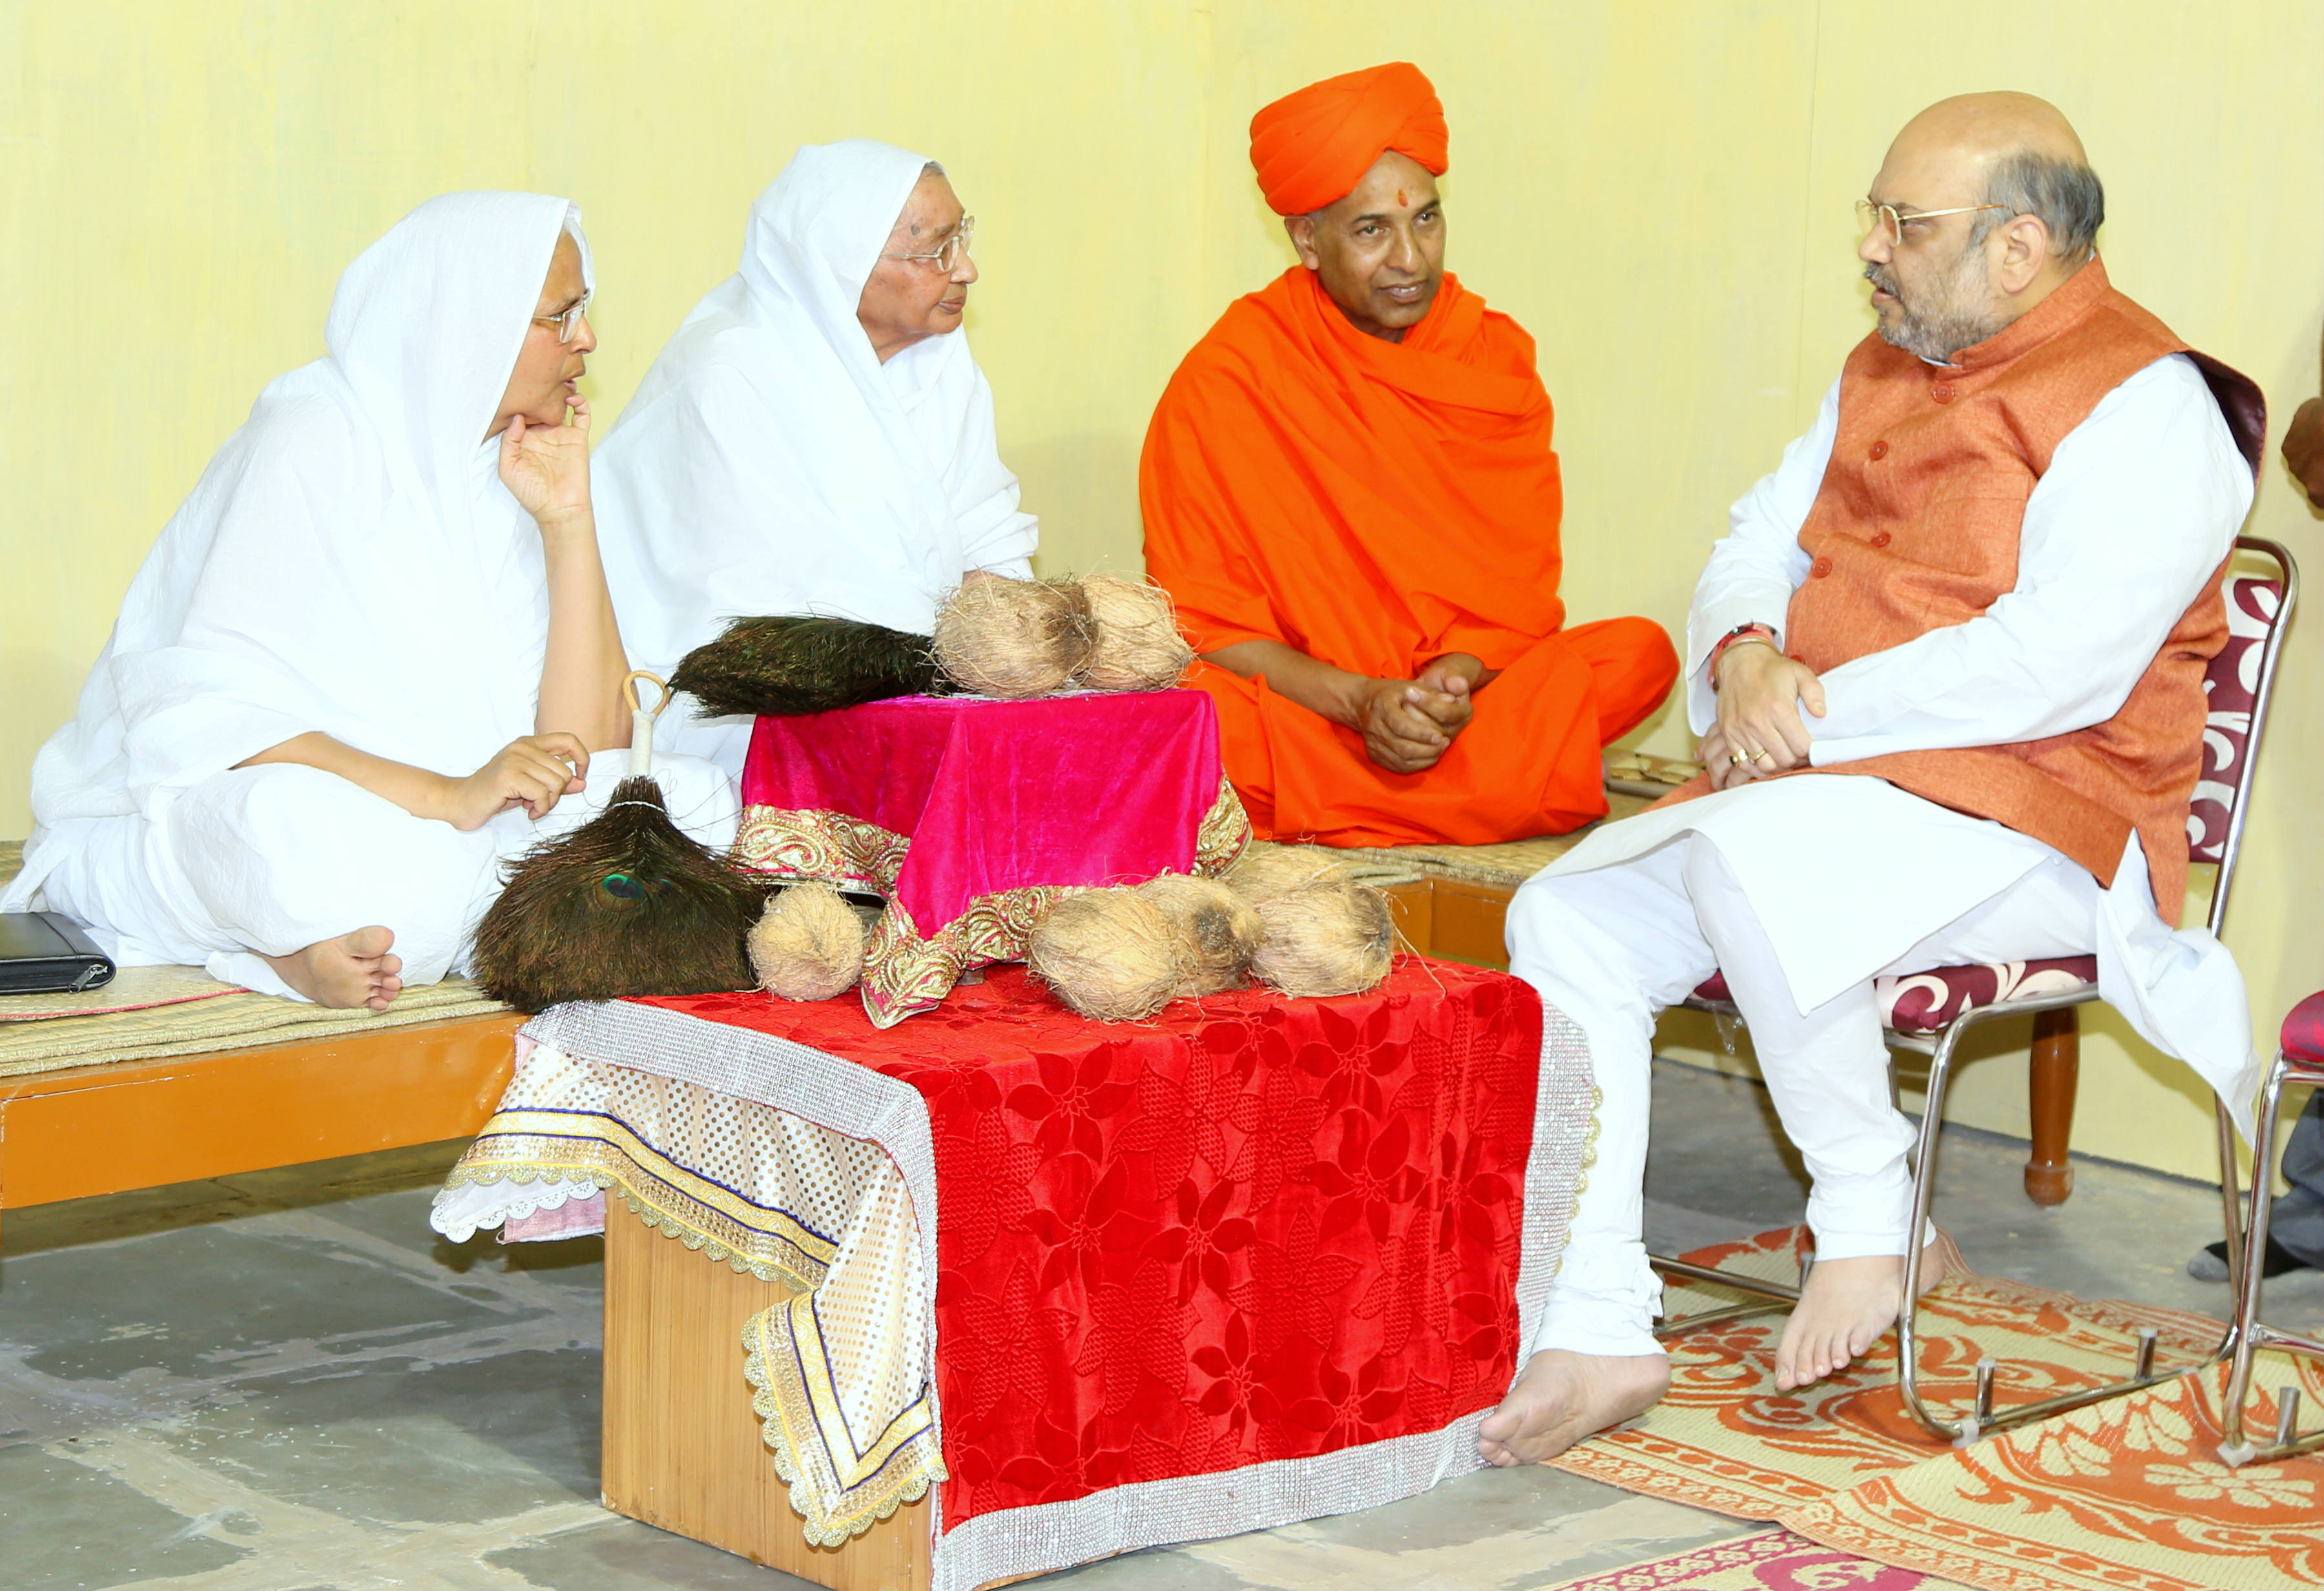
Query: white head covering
349 563
771 464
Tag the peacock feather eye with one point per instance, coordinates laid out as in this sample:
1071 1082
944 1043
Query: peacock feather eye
622 887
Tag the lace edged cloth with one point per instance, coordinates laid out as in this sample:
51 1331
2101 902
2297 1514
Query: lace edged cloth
766 1192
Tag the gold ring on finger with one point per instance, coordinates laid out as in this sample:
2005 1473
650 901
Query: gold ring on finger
1762 752
1737 758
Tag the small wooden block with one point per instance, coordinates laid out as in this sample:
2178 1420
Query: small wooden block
682 1445
1469 921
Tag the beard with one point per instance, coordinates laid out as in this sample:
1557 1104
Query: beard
1952 311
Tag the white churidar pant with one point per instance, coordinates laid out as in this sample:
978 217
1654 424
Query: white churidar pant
1629 923
279 856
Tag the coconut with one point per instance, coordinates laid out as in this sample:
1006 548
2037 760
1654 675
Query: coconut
1110 953
1217 928
808 944
1138 646
1268 870
1328 938
1014 639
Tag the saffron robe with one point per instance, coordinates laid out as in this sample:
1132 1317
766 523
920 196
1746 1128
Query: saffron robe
1378 506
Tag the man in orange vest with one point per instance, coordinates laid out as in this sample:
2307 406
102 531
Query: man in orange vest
1349 488
1985 587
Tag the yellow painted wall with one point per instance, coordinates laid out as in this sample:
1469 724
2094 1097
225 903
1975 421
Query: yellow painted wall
1659 192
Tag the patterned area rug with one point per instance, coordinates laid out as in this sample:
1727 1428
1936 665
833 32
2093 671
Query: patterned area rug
2124 1494
1778 1560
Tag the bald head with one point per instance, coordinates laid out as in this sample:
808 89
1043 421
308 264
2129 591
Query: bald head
2012 151
1984 128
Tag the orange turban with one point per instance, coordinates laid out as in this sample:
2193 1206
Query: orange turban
1311 148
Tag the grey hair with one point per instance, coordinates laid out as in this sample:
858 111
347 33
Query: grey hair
2065 196
933 168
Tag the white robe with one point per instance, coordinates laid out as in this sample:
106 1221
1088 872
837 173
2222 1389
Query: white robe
348 564
771 464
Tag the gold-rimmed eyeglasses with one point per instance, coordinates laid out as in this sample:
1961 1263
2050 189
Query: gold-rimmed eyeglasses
565 320
946 256
1889 218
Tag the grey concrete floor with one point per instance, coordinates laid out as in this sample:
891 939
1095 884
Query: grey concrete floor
285 1381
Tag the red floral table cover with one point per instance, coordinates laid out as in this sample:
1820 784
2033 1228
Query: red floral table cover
971 816
1251 1261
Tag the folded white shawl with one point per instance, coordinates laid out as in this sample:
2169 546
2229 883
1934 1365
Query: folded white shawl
771 464
349 563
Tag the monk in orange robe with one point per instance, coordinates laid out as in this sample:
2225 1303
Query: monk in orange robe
1350 491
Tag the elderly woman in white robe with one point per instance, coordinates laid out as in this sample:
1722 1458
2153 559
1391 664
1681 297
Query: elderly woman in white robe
815 439
373 651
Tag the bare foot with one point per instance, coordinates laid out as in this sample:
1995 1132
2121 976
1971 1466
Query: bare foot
1561 1397
1846 1306
350 971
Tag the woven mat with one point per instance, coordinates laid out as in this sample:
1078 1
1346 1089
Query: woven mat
1775 1561
2123 1494
130 988
152 1012
1509 865
237 1020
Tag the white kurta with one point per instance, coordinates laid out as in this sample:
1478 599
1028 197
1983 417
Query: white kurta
1839 879
349 564
771 464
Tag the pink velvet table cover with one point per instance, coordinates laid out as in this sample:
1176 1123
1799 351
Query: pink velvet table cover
999 795
969 814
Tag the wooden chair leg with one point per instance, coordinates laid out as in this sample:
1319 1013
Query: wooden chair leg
2056 1067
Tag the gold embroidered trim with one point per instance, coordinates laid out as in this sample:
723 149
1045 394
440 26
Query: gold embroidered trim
775 1343
663 1193
1225 833
807 843
904 973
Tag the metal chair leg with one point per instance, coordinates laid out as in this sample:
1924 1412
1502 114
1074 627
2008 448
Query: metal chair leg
2246 1330
1982 1417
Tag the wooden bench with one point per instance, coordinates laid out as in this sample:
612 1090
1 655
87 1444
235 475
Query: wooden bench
266 1096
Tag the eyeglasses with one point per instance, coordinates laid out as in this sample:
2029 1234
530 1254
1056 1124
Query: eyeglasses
1887 217
567 319
948 254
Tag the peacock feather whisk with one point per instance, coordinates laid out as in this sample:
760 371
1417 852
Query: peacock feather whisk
791 664
625 904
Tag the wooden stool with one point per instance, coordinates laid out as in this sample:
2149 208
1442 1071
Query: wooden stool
682 1446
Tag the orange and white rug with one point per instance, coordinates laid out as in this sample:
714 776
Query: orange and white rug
2124 1496
1774 1560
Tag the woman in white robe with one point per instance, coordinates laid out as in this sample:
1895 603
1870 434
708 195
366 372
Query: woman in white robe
815 439
372 651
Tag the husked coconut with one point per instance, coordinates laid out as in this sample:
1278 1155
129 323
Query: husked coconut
1328 938
808 944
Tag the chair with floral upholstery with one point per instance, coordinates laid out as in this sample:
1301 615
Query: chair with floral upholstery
2298 1060
1930 1013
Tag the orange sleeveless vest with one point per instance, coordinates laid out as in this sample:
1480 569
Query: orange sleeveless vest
1916 527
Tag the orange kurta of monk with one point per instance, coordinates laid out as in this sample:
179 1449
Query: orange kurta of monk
1378 504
